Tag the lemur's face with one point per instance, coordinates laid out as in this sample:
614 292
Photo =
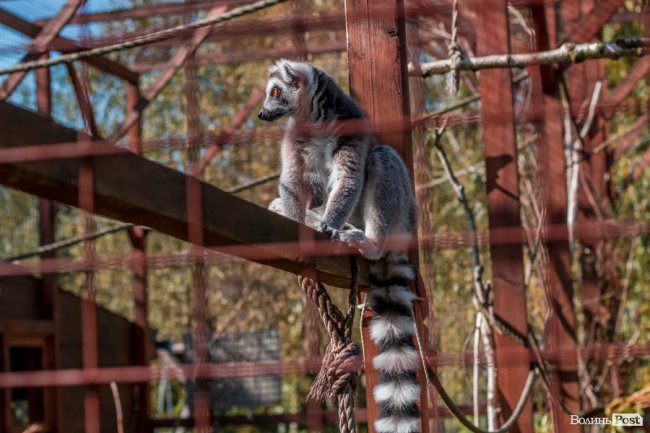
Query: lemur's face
282 92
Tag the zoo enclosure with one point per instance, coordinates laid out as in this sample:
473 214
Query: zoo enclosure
107 177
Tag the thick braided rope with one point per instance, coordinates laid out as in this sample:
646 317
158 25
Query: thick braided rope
141 40
335 380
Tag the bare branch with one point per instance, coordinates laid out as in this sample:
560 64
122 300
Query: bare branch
567 53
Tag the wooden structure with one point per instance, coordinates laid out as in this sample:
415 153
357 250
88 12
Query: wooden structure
41 157
27 339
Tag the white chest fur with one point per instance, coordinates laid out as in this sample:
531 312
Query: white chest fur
318 157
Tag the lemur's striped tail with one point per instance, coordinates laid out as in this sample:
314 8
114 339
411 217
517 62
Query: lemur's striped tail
392 329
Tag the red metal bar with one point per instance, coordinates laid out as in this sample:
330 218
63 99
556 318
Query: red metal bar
305 419
240 118
43 89
85 107
182 54
41 42
559 329
138 236
237 57
182 373
60 43
71 150
493 36
88 307
48 301
377 62
153 10
267 252
135 133
194 204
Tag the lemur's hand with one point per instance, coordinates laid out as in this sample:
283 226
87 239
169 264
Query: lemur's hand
329 231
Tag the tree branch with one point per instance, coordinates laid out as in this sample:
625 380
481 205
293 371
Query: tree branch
566 53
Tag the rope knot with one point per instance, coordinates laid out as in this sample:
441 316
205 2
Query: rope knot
337 376
337 371
455 54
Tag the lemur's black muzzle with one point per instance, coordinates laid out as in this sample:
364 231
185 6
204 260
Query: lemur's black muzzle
264 115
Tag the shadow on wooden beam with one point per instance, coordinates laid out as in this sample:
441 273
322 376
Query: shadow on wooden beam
130 188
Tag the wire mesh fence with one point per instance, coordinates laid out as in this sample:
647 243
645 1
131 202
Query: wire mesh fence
158 295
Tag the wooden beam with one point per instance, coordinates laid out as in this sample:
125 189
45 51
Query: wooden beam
40 43
560 324
590 24
504 208
131 188
378 74
60 43
630 138
616 96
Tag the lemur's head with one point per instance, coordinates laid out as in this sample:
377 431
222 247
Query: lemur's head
287 90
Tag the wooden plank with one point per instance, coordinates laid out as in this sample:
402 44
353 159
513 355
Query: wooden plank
18 327
60 43
40 43
559 327
131 188
377 61
495 87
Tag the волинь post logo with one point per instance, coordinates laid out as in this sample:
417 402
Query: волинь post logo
616 420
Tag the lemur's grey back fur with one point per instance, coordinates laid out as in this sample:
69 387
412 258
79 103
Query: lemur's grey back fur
361 193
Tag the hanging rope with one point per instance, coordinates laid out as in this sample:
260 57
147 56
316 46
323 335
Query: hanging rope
336 378
455 53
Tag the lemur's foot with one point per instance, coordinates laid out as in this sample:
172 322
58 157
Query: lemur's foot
329 231
357 239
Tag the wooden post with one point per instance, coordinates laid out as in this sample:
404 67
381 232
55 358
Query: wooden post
560 337
379 82
598 272
495 86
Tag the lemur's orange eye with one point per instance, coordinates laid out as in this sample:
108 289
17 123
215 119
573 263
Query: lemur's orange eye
275 92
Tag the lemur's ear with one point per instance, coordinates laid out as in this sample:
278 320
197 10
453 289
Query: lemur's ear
295 76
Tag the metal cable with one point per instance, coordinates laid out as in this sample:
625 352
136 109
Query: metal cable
253 183
141 40
65 243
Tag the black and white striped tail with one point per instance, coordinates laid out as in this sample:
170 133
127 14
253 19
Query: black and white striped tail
392 329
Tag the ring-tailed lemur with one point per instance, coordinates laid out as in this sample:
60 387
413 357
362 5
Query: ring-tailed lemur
334 181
